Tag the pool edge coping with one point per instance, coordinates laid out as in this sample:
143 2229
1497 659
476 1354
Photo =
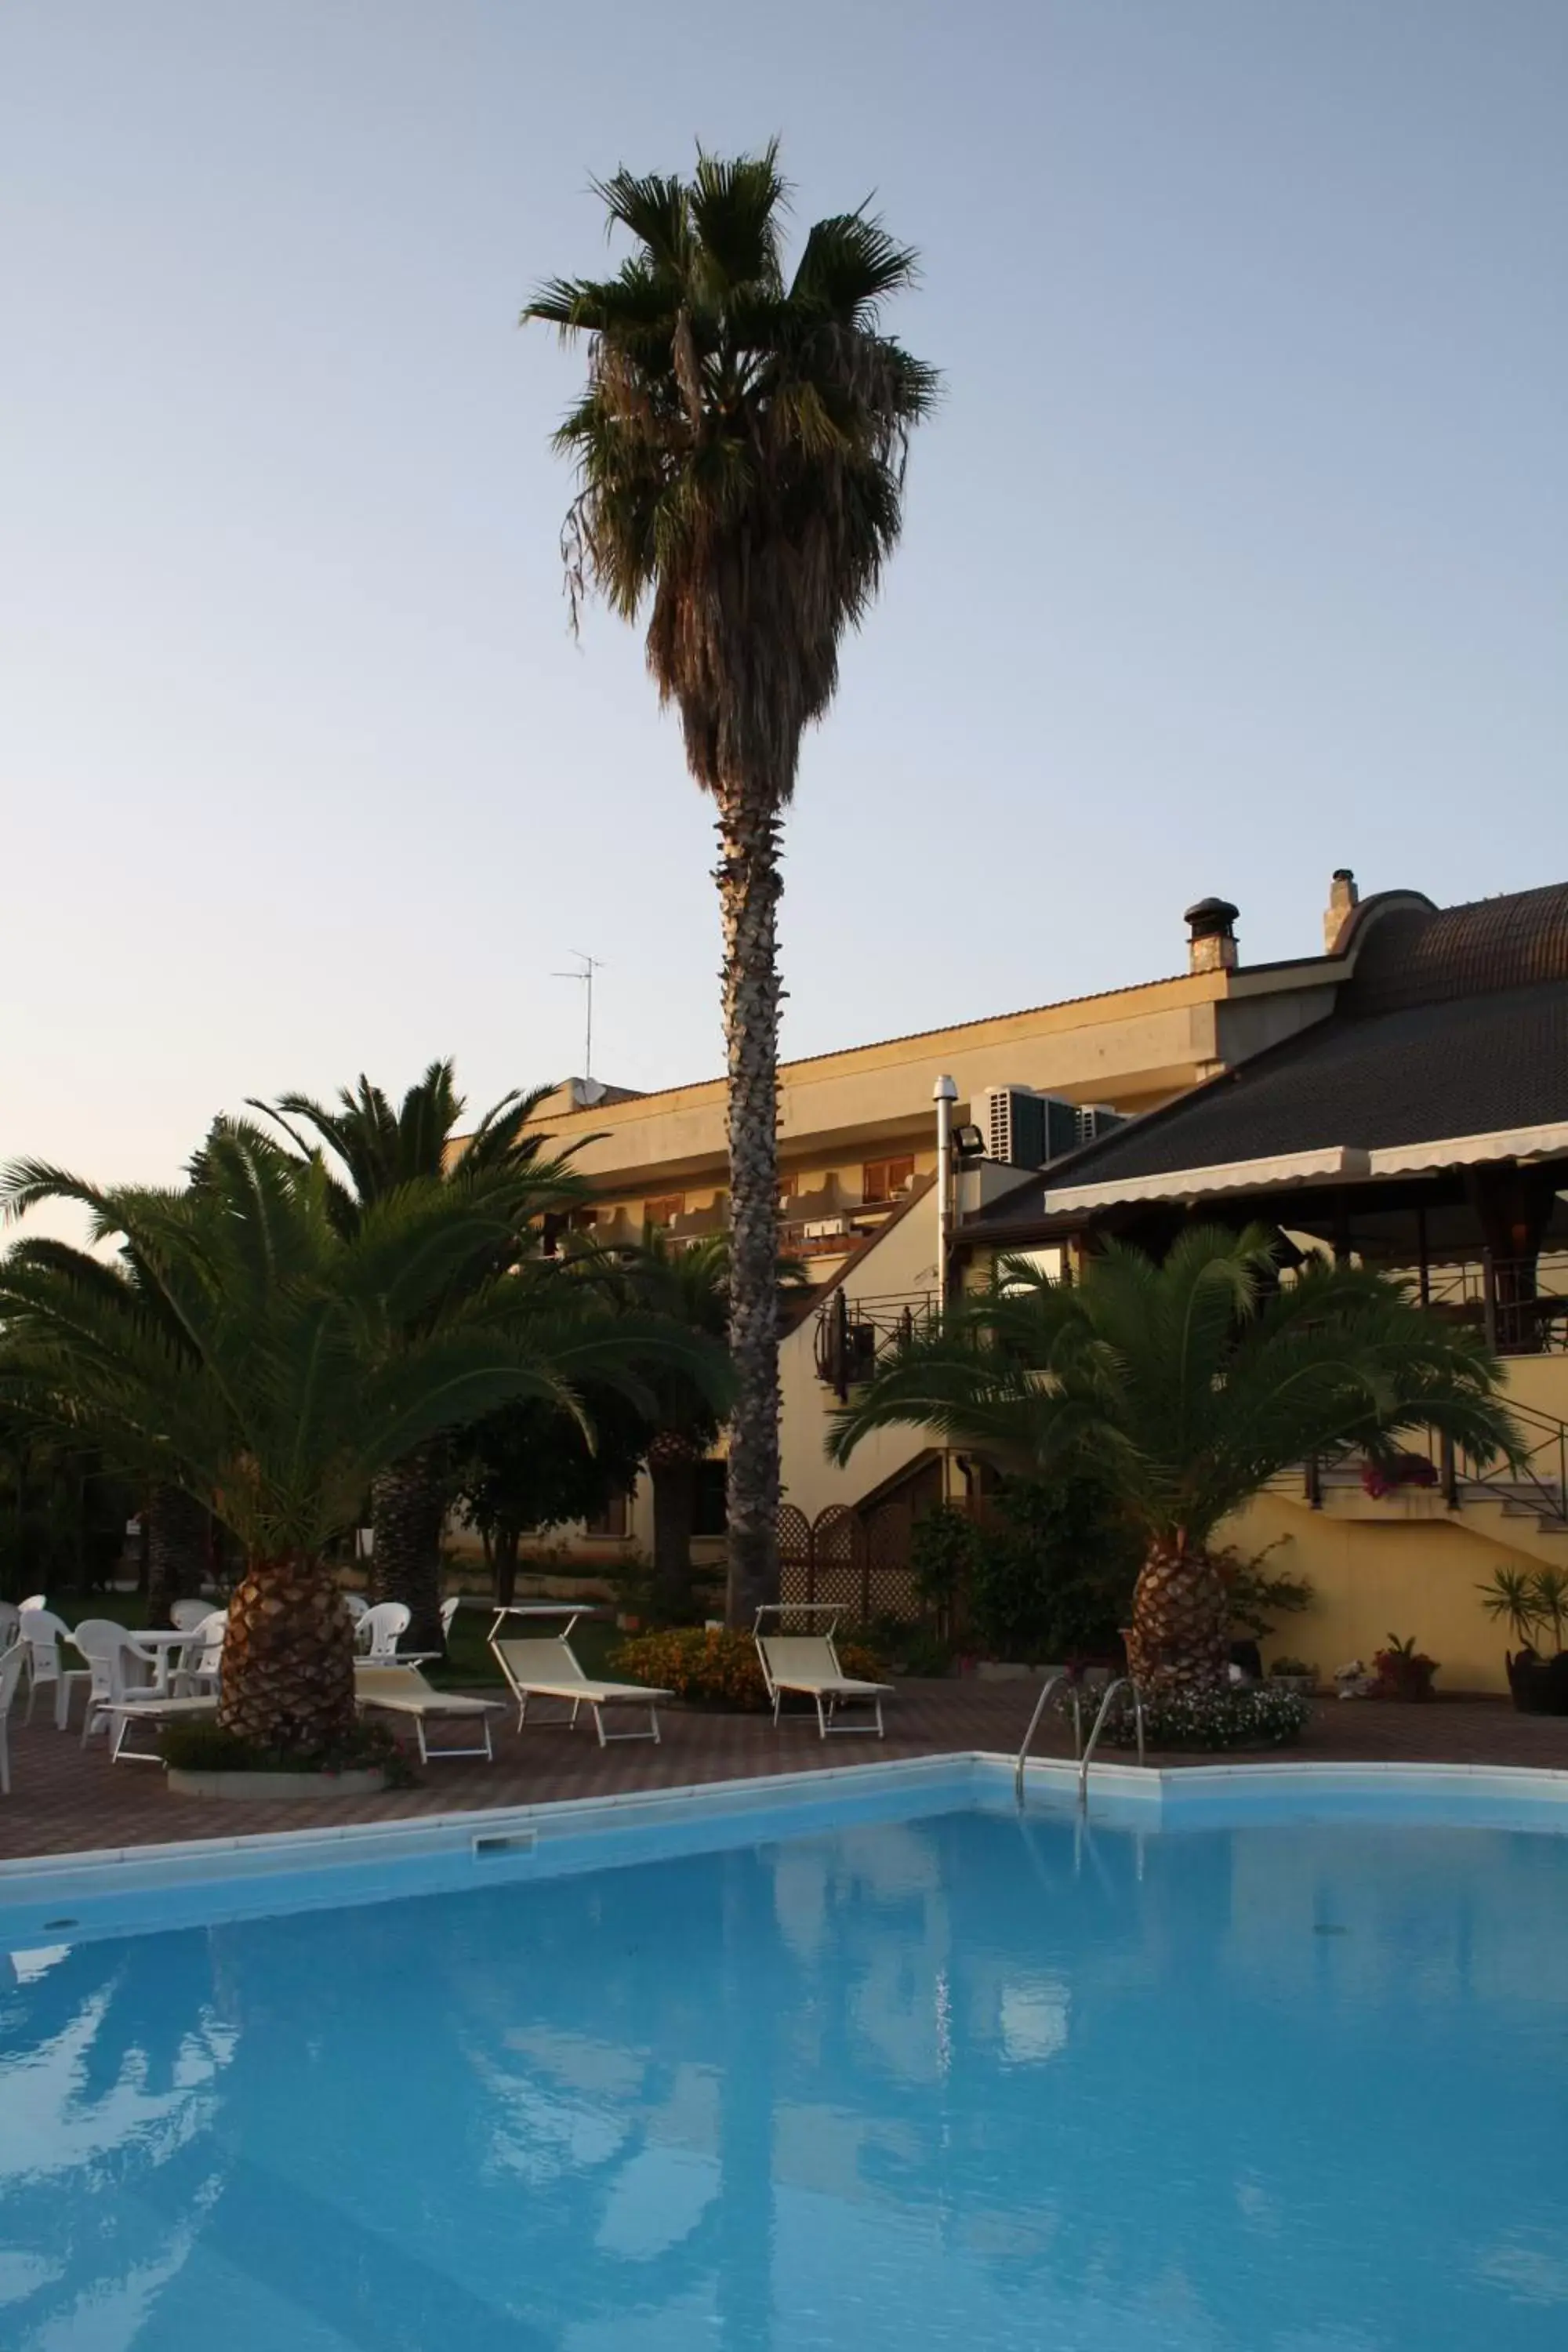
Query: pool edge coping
1150 1788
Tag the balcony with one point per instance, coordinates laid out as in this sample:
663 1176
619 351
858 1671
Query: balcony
854 1335
1521 1304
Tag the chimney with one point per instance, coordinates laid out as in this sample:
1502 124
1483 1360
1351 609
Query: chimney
1212 947
1344 900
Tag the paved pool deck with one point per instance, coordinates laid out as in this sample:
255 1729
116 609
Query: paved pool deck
65 1800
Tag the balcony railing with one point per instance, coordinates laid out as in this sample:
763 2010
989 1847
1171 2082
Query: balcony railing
854 1334
1536 1483
1521 1304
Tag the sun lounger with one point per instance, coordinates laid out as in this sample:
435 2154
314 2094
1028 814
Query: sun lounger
548 1669
403 1690
806 1667
123 1712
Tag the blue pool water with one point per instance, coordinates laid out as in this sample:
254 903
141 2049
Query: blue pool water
961 2080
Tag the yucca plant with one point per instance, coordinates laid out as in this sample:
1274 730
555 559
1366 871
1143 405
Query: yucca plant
1510 1595
1185 1385
306 1360
739 449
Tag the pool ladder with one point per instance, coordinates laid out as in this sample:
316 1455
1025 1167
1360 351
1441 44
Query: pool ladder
1082 1754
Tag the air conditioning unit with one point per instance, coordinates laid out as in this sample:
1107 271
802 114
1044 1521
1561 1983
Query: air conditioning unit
1026 1128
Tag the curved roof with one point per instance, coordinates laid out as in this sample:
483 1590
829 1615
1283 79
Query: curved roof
1410 953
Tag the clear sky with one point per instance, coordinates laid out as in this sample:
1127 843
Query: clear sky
1238 550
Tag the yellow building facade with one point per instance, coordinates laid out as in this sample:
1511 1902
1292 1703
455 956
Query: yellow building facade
1386 1083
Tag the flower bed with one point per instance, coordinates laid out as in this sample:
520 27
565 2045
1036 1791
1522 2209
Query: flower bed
710 1667
202 1749
1256 1715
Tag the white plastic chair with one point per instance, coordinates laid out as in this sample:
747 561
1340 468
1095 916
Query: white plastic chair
115 1665
33 1600
10 1675
187 1615
381 1629
119 1695
358 1607
200 1664
10 1623
42 1633
449 1610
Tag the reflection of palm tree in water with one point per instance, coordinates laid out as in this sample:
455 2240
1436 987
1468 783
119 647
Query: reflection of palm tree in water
112 2063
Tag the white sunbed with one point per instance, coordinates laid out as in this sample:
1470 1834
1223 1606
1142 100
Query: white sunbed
142 1708
806 1667
548 1669
403 1690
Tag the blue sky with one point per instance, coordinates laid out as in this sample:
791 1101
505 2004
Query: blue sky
1238 550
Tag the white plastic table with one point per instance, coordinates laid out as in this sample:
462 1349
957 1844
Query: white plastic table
162 1642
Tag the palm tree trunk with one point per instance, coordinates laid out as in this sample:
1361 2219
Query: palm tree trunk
749 887
408 1517
1180 1637
178 1548
288 1658
503 1547
672 1474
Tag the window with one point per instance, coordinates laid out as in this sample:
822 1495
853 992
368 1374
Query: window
886 1180
612 1521
708 1515
664 1209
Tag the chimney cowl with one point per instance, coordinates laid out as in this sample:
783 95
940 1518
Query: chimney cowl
1212 946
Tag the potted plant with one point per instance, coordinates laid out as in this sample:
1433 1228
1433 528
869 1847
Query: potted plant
1402 1671
1534 1604
1386 1473
1293 1674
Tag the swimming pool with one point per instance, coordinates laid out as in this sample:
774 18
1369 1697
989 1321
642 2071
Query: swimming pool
880 2063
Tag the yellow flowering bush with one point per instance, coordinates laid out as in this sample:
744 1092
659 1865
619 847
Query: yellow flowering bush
711 1666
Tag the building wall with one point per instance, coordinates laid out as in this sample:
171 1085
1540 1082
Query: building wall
900 1262
1405 1564
1413 1569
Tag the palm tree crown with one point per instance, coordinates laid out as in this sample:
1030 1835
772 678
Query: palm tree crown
739 447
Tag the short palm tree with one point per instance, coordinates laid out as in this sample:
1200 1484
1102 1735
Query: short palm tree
1186 1385
740 449
307 1361
503 1165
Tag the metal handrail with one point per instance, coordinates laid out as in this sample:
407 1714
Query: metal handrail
1123 1682
1064 1676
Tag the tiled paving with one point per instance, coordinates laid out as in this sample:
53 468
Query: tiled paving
64 1799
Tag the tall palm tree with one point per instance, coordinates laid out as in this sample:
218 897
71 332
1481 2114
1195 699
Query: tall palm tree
374 1149
1185 1385
739 447
308 1361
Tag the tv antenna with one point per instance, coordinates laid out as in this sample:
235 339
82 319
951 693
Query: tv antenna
591 964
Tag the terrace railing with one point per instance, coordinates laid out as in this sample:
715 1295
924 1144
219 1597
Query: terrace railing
854 1334
1537 1484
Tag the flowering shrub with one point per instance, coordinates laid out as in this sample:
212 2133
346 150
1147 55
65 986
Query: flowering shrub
1253 1715
710 1666
1380 1478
